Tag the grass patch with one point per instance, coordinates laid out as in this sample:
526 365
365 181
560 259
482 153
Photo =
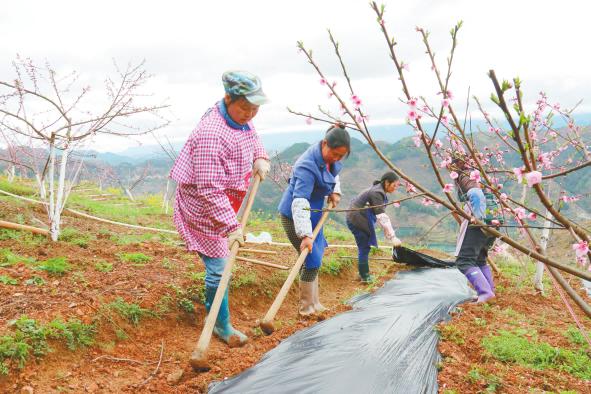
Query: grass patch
131 239
7 280
336 232
125 212
30 338
103 266
335 263
132 312
575 337
523 347
16 187
246 279
8 258
451 333
75 237
492 382
56 266
137 258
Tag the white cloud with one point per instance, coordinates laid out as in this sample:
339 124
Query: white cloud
187 45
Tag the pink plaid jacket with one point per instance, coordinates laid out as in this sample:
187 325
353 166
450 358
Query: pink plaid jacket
215 162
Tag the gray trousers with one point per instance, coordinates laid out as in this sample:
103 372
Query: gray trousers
474 249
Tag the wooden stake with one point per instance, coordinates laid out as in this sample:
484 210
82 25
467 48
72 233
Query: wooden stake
281 267
256 251
22 227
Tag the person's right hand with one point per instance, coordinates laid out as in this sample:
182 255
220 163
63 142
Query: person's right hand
396 242
235 236
307 243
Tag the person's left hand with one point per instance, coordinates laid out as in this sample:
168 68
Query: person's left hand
261 167
335 198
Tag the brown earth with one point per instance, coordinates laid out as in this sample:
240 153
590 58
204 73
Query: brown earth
135 364
81 292
517 306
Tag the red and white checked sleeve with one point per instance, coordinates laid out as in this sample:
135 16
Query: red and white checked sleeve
209 171
259 149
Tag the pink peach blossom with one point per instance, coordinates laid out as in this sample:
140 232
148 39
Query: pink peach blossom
519 174
533 178
532 216
453 175
581 248
448 188
413 115
475 175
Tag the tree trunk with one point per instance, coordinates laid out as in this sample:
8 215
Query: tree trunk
165 199
128 193
11 173
41 187
56 203
538 284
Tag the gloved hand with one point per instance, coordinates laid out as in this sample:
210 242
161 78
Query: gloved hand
335 198
235 236
261 167
307 243
395 242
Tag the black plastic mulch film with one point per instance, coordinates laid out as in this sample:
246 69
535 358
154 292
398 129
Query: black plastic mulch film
386 344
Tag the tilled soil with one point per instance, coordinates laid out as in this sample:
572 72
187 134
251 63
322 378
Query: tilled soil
514 308
134 364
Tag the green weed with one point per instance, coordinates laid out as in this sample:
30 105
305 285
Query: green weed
75 237
523 347
74 332
137 258
246 279
55 266
451 333
8 258
132 312
334 264
575 337
7 280
103 266
7 234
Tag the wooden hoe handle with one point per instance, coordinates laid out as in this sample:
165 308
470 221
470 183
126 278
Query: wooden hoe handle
198 358
267 323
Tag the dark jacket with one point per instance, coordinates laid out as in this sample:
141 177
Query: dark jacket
375 195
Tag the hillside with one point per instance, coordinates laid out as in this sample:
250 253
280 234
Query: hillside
360 169
109 309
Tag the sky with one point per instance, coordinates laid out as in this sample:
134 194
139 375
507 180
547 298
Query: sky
187 45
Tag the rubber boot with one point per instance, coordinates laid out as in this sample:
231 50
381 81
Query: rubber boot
480 284
485 269
223 328
318 307
307 298
364 274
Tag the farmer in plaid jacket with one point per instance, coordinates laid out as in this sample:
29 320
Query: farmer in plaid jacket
212 172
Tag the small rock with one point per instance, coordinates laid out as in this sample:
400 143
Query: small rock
116 374
79 312
27 390
175 377
20 269
18 295
92 387
72 305
55 283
